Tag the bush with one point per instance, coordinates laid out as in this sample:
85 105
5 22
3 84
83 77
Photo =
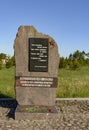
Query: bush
9 63
74 65
13 60
0 65
62 62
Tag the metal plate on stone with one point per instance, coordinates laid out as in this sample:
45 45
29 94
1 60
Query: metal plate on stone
38 54
41 82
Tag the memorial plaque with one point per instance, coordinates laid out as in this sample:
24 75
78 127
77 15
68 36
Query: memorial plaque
36 82
38 54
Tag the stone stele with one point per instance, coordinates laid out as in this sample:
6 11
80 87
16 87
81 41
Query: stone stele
37 62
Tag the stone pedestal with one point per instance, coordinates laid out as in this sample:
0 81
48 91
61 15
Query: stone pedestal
26 112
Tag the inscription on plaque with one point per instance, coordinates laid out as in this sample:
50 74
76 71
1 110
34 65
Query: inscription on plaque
36 82
38 55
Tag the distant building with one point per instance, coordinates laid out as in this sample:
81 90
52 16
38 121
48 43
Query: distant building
4 61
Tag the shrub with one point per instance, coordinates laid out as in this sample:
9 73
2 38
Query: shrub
75 65
0 65
9 63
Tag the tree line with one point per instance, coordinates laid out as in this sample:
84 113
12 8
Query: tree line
6 61
75 60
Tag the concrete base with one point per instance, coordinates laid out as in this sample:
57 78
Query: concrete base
24 114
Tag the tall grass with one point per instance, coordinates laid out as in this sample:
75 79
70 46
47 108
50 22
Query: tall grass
7 82
73 83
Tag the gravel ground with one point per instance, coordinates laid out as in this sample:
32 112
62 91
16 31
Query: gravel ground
73 115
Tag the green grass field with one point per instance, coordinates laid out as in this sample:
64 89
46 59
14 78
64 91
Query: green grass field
7 82
71 83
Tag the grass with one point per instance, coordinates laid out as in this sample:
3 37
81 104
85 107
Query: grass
7 83
71 83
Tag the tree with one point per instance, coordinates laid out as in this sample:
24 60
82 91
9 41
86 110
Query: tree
9 63
62 62
2 56
76 64
87 61
70 63
13 60
0 65
70 57
76 55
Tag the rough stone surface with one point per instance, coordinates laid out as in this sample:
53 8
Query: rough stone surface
73 115
35 116
37 96
21 53
44 94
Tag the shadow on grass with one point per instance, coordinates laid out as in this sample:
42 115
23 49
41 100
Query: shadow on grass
4 96
8 102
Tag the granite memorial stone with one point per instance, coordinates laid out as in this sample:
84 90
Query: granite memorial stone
37 61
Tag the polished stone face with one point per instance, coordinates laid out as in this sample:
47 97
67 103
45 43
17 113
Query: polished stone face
38 54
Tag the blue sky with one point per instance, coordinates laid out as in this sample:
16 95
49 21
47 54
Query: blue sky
67 21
